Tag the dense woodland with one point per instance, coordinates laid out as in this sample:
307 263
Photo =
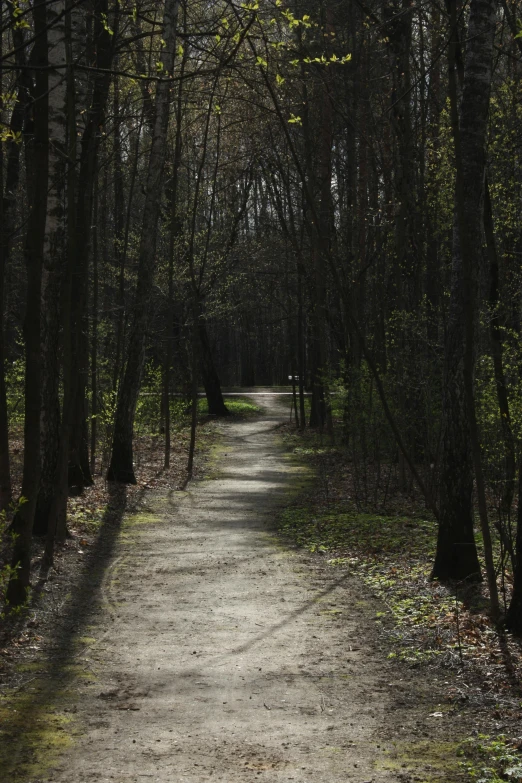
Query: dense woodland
230 193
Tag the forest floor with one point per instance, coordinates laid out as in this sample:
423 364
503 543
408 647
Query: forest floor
195 643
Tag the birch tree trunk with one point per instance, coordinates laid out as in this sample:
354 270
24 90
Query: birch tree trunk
58 512
121 467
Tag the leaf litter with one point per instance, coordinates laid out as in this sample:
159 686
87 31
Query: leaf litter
390 545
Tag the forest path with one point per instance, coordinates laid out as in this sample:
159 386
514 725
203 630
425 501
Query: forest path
213 652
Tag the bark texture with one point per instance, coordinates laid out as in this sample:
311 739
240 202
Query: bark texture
211 382
23 522
53 265
456 556
11 164
514 614
5 470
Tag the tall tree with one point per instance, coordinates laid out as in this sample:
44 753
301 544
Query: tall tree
121 467
53 264
456 556
5 470
38 145
101 46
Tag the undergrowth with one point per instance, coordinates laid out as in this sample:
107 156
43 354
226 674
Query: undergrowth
392 551
491 759
391 548
375 546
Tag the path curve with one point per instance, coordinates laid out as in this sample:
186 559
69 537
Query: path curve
217 654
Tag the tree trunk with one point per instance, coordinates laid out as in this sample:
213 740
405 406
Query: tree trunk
497 353
102 47
211 382
300 351
121 467
57 527
175 233
321 239
514 613
53 267
94 339
194 396
5 470
19 119
433 281
119 234
456 556
58 515
17 590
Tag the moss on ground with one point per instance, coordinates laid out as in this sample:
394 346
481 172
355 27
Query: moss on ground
143 518
430 761
35 728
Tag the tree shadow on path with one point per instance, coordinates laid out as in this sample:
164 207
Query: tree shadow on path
36 718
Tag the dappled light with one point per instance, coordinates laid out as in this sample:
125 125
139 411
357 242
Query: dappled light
260 383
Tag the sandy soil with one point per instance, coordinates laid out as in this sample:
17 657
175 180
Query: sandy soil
199 648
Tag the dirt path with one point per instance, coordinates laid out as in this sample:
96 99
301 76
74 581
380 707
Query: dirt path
211 652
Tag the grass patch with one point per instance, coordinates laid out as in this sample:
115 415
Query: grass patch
237 406
334 529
